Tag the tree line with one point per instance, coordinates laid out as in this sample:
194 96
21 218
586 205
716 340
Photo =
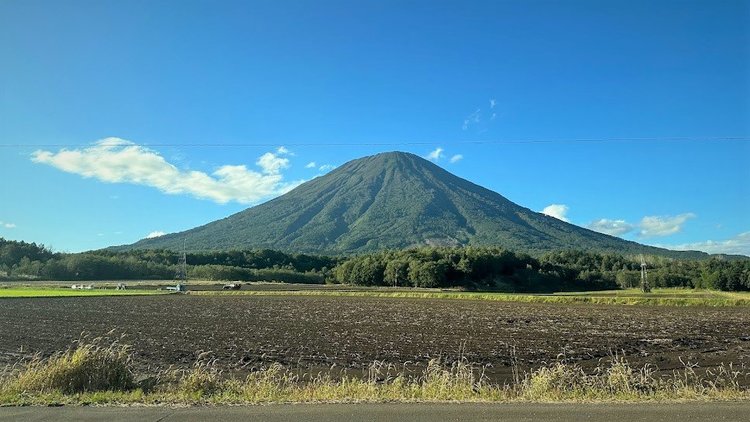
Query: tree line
500 269
29 261
491 268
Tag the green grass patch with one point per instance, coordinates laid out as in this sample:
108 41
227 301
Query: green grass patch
68 292
660 297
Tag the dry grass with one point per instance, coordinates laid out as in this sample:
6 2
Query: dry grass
93 365
94 373
619 381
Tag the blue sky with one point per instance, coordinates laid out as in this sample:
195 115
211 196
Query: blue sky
120 119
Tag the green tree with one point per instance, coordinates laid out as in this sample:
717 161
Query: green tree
396 272
426 274
628 279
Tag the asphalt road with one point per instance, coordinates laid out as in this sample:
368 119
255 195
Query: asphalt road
390 412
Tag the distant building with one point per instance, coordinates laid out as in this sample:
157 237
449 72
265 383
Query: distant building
178 288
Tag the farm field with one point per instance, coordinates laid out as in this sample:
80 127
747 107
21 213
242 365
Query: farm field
663 296
314 333
29 292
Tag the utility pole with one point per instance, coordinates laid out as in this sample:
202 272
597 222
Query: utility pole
181 274
644 277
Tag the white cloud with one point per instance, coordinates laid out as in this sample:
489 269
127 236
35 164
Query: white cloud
737 245
472 119
271 163
493 103
611 227
556 210
311 165
649 226
435 155
456 158
115 160
666 225
7 225
326 167
282 150
155 234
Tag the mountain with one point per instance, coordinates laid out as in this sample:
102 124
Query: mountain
392 200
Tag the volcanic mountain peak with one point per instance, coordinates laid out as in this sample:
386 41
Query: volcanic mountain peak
391 200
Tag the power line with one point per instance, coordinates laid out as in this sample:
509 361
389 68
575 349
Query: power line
712 139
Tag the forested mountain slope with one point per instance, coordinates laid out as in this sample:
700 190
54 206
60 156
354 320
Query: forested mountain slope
393 200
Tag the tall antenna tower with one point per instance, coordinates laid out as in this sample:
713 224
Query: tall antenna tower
645 287
181 274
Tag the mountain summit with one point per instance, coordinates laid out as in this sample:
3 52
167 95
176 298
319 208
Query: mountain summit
391 200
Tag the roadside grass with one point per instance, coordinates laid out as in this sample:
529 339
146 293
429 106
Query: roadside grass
92 373
23 292
91 366
659 297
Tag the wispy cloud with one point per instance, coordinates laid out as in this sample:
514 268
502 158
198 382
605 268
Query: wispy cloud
653 226
115 160
7 225
435 155
472 119
480 118
611 227
456 158
666 225
649 226
322 168
737 245
559 211
155 234
282 150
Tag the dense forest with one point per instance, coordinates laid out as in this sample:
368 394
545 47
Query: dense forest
468 267
28 261
499 269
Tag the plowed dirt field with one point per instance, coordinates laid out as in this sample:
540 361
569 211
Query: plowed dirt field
318 333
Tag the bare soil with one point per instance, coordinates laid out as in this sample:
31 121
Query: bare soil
318 333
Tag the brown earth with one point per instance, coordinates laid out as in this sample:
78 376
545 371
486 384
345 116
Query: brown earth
316 333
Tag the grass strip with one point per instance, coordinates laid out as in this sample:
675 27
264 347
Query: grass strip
568 298
22 292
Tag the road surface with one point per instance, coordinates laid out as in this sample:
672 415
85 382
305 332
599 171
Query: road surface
390 412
